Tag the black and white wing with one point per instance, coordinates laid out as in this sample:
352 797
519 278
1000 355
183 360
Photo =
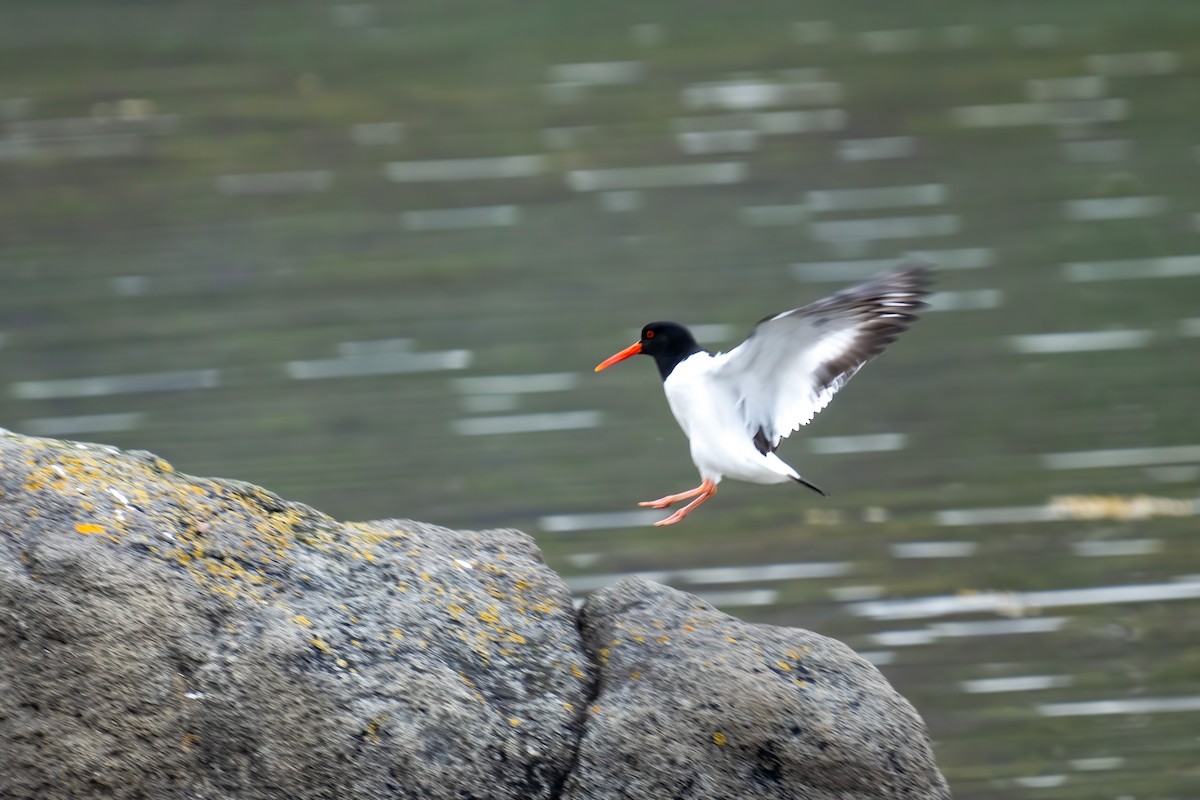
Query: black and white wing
793 363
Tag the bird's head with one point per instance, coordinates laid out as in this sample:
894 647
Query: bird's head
667 342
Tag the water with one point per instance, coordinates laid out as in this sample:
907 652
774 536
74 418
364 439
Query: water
371 267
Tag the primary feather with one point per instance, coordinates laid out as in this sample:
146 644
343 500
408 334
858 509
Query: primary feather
793 363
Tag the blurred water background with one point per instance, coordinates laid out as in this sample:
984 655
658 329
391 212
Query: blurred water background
366 255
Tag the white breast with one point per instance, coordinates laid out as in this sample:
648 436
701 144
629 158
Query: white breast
707 411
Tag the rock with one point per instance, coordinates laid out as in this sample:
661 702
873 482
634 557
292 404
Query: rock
694 703
164 636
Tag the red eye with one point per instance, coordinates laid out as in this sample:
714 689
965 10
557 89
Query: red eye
649 334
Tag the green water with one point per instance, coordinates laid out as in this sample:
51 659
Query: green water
120 254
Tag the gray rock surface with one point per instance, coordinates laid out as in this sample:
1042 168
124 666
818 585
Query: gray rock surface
165 636
694 703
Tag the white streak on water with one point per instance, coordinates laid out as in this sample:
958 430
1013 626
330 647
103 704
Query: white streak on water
86 423
994 516
738 599
1081 341
518 384
1133 269
605 520
866 443
934 549
1005 115
1040 781
464 169
961 630
381 363
592 180
922 194
118 384
1008 602
965 300
1020 683
1132 457
527 423
1117 548
877 149
703 576
1143 705
747 95
1108 208
444 219
1097 764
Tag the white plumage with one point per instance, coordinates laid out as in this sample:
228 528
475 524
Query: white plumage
736 407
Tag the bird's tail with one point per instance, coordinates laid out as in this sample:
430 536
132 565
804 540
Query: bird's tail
810 485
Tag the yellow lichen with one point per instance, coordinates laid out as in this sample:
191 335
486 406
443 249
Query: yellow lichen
300 619
87 527
719 739
374 728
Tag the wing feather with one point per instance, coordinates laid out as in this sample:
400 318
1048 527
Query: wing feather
793 363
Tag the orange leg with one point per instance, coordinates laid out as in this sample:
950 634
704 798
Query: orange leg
706 490
672 499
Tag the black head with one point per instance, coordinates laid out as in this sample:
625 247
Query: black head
667 342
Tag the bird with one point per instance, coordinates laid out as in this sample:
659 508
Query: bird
736 407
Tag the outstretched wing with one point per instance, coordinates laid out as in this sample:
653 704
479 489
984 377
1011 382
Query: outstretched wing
793 363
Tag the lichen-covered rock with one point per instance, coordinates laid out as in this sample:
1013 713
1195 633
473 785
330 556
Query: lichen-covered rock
696 704
163 636
168 637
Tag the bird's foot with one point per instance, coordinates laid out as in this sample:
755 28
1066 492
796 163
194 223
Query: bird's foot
706 490
672 499
671 520
662 502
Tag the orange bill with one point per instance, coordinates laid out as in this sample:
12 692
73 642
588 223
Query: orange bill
632 350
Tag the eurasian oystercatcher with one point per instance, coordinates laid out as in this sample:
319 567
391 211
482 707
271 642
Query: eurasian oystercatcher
736 407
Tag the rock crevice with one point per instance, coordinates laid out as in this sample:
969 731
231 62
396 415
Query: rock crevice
165 636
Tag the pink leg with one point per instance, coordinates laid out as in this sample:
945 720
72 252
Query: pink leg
707 490
672 499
